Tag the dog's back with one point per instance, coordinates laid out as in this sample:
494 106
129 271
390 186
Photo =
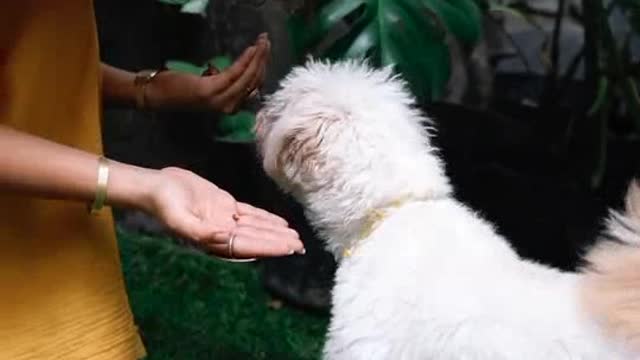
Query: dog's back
435 281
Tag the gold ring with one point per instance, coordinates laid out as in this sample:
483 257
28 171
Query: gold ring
230 245
231 257
230 252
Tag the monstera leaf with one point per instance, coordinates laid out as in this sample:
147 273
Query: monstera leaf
407 34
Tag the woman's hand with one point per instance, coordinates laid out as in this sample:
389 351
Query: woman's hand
188 204
220 91
198 210
226 90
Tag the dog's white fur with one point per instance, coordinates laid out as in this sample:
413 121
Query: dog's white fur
434 280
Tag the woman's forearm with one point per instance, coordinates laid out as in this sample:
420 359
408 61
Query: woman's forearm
118 88
38 167
168 90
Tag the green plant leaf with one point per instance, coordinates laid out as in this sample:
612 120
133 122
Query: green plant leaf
221 62
188 6
601 96
237 127
174 2
462 18
186 67
195 7
407 34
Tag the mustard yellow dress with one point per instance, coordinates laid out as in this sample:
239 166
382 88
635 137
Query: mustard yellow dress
62 294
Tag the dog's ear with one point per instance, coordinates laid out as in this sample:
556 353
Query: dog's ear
303 160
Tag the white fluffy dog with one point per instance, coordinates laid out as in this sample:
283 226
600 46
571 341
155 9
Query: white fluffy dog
421 276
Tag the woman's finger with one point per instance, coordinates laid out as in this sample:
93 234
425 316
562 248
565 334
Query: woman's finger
241 87
267 59
255 83
265 224
225 79
246 209
280 236
251 242
259 79
245 245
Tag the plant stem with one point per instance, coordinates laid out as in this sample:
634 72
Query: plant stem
601 155
514 44
549 95
555 42
592 49
627 83
570 74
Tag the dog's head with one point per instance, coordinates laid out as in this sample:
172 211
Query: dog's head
345 131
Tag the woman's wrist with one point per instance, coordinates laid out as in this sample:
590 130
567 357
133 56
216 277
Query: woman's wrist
150 89
174 90
131 186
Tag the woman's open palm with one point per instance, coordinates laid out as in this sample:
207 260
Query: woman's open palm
196 209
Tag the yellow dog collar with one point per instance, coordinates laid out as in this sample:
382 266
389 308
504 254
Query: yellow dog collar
375 217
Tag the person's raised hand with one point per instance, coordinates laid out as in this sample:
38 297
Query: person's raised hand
225 91
196 209
222 91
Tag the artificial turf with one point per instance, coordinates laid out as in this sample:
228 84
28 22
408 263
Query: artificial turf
190 306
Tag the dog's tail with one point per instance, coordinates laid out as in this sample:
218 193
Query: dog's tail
611 290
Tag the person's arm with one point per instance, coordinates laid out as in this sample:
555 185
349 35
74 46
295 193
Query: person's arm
223 91
187 204
42 168
118 88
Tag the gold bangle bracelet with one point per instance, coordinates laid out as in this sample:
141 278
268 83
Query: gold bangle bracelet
140 82
101 188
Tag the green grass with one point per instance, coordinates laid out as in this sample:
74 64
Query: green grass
189 306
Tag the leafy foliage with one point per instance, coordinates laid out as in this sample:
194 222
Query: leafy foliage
613 67
410 35
611 73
